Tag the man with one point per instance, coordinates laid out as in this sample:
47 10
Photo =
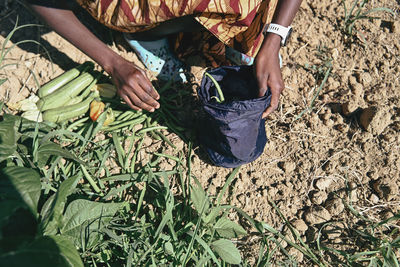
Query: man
236 23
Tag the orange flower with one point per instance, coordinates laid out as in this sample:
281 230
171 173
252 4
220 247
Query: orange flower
96 108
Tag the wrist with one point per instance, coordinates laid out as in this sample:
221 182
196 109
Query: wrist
109 61
271 43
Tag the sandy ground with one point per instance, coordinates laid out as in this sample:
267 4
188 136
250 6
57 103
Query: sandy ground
346 147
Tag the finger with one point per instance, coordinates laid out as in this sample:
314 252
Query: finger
141 87
145 94
275 93
264 115
129 103
148 86
268 111
137 101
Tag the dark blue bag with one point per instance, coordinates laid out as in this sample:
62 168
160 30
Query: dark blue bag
232 132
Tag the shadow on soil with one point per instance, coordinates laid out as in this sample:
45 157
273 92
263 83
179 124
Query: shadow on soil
18 13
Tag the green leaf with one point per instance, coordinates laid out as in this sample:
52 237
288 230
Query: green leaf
83 219
199 198
48 149
210 218
27 127
8 139
44 251
168 248
228 229
380 9
205 246
19 187
227 184
227 251
52 211
2 81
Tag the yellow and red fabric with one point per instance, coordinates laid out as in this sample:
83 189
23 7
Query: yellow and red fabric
236 23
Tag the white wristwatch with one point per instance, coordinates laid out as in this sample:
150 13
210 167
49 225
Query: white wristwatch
280 30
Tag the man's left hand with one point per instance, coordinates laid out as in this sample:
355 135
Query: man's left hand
268 74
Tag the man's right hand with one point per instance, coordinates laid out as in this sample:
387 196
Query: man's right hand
133 85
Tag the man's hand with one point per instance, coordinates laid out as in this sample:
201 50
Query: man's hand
133 86
268 74
267 69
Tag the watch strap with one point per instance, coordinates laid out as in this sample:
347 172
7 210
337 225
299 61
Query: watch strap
280 30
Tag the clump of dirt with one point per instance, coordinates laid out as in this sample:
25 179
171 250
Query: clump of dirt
345 149
375 119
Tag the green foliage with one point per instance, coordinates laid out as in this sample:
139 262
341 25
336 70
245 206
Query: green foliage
2 81
227 250
8 139
83 221
52 210
20 187
44 251
380 242
228 229
48 149
321 73
357 12
91 216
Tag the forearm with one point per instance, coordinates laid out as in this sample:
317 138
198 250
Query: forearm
286 11
132 83
65 23
267 69
284 14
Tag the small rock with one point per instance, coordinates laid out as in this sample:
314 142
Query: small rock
386 189
323 183
286 72
283 243
335 54
352 185
289 236
300 225
375 120
334 230
358 89
165 165
317 215
353 195
374 198
334 206
288 167
318 197
296 254
396 27
365 78
349 107
352 80
147 141
333 84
